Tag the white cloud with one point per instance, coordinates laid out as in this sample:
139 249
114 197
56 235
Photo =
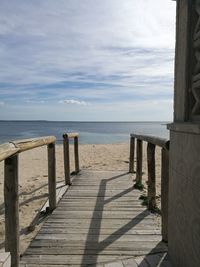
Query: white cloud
119 49
2 103
74 102
118 111
97 37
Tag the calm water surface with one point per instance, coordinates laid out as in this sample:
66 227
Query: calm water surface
90 132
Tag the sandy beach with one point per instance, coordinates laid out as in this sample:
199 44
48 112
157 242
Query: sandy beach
33 178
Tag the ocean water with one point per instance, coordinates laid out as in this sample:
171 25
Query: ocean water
90 132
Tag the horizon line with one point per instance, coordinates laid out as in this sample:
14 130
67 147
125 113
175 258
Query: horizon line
84 121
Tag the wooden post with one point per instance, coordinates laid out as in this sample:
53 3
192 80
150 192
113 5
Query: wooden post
164 192
52 176
139 162
132 154
66 159
76 156
11 199
151 176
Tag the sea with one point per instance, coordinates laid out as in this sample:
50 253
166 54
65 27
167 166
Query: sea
90 132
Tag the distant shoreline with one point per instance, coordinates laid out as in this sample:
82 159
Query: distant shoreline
86 121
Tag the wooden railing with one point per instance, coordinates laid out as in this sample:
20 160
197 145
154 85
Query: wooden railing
9 154
152 142
66 138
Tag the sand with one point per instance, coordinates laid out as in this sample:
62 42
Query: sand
33 178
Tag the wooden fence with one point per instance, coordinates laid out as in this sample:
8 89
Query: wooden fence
9 154
66 138
152 142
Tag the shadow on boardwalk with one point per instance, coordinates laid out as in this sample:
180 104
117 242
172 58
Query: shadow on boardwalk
100 204
100 219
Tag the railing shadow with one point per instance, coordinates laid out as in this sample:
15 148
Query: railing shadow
95 225
156 256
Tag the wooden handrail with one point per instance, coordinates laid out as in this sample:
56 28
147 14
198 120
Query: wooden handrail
11 148
152 142
72 135
27 144
66 137
7 150
161 142
9 153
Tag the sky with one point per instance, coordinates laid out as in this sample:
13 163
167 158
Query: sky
87 60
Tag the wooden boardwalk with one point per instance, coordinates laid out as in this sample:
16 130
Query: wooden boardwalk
99 220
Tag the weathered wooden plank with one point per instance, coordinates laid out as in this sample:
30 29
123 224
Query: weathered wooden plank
113 201
71 135
69 251
60 265
7 150
91 208
70 259
97 216
75 251
139 161
151 176
117 245
66 156
59 230
114 264
107 198
31 143
132 155
164 193
94 213
52 176
76 154
81 186
112 205
104 189
129 263
96 178
11 198
153 140
84 225
114 227
96 224
97 238
104 193
67 259
104 222
101 201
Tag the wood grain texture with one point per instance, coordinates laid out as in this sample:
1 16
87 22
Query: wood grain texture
52 176
165 193
92 234
31 143
7 150
184 201
11 198
151 176
162 142
139 161
132 154
66 156
76 154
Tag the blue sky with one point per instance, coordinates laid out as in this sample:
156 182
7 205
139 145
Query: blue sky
87 60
